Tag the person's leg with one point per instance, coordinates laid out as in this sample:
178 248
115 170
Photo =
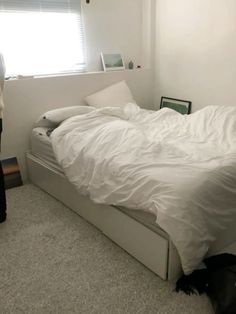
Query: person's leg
3 205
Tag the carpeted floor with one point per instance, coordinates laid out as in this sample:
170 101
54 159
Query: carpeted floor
52 261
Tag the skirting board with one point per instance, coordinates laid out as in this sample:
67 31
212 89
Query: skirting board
151 249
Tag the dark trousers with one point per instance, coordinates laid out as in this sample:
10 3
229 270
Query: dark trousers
3 205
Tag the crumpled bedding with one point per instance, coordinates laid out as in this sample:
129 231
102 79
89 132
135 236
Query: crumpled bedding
182 168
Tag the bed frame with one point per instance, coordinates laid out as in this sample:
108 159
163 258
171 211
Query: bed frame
155 251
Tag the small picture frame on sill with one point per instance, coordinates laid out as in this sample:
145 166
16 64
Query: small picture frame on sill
112 61
179 105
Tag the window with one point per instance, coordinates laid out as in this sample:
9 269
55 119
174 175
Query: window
41 37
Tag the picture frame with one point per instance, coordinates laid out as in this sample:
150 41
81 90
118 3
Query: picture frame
179 105
112 61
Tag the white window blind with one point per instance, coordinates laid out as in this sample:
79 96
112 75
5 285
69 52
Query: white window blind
42 36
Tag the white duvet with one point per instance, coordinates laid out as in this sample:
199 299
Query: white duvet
181 168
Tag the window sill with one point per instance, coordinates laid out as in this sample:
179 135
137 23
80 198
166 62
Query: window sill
31 77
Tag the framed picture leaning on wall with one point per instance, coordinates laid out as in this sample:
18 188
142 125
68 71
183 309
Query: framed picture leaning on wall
182 106
112 61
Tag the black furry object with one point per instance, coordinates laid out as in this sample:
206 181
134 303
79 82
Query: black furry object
218 280
200 280
220 261
195 283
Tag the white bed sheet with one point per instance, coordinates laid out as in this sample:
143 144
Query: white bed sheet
181 168
41 147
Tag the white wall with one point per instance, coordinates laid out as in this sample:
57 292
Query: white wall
111 26
26 100
196 51
124 25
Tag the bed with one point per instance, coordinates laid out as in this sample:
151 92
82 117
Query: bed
135 231
131 230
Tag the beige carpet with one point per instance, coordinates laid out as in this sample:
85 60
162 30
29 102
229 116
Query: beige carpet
52 261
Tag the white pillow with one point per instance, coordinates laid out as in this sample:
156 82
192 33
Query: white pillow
116 95
54 117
